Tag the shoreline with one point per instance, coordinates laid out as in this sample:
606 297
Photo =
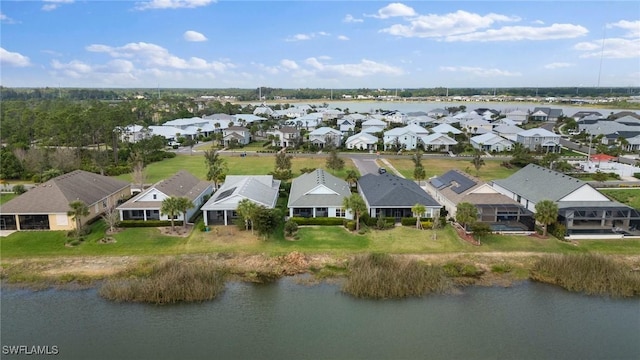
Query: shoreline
497 268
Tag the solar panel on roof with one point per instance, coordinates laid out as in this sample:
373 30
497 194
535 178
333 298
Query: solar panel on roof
225 194
462 183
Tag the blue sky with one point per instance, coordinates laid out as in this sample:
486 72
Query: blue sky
319 44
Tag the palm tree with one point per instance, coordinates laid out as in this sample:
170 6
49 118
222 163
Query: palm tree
356 204
477 160
466 214
183 204
170 208
419 174
352 177
247 211
417 210
216 165
78 210
546 213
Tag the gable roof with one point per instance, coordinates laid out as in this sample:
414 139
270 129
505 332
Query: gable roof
489 139
437 139
261 189
324 131
445 129
55 195
318 188
181 184
533 183
388 190
538 132
363 136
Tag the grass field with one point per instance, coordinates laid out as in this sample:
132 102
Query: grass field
629 197
249 165
4 197
438 166
312 240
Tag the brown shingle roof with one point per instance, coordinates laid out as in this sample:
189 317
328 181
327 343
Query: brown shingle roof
55 195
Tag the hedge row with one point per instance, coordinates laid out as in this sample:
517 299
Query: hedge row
148 223
318 221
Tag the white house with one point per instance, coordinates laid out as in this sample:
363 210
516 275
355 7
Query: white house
239 134
346 125
373 126
437 142
491 142
285 136
318 194
362 141
509 132
518 116
404 137
324 136
446 129
532 139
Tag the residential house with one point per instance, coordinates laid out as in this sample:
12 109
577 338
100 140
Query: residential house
285 136
394 117
519 117
491 142
583 210
539 138
388 195
437 113
222 205
446 129
476 126
263 110
172 133
325 136
45 206
133 133
406 137
147 204
346 125
248 119
509 132
373 126
318 194
581 114
437 142
545 114
362 141
236 134
421 120
499 211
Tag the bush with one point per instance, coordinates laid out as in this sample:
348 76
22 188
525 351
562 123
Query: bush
410 221
501 268
456 269
148 223
426 224
19 189
557 230
318 221
350 225
117 170
290 227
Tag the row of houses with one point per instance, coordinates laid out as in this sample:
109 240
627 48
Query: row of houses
507 205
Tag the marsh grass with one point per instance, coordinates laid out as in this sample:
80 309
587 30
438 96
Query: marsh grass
167 282
588 273
382 276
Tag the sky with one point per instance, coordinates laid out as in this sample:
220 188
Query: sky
319 44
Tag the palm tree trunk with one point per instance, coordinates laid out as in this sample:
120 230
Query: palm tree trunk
184 220
171 223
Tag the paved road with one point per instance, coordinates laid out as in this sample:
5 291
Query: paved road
366 165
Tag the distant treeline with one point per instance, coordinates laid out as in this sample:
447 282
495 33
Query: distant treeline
269 93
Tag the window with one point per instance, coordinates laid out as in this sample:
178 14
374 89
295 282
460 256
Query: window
340 212
155 196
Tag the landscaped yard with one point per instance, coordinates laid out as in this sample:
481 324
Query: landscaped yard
312 240
4 197
629 197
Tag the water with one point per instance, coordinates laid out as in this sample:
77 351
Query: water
290 321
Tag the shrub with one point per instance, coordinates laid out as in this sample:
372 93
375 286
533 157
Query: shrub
409 221
457 269
19 189
290 227
318 221
501 268
350 225
557 230
588 273
148 223
382 276
426 224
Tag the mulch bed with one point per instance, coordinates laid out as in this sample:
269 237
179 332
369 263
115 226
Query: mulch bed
466 237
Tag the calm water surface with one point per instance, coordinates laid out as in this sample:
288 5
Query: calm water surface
290 321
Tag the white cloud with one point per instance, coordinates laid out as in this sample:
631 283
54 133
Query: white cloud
350 19
343 37
6 20
614 48
363 68
558 65
50 5
304 37
395 10
156 56
435 26
289 64
172 4
537 22
632 27
478 71
194 36
13 58
516 33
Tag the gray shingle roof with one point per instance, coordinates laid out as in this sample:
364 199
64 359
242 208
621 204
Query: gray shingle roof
261 189
334 191
182 184
537 183
55 195
388 190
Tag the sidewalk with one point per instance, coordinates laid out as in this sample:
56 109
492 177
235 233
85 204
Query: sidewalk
390 167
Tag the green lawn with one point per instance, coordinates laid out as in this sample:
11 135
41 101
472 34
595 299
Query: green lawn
312 239
4 197
438 166
629 197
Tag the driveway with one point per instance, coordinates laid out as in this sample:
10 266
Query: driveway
366 165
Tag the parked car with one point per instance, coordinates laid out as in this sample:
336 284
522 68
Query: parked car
382 170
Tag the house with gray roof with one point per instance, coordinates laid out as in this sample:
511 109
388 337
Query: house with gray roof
324 136
545 114
583 210
318 194
388 195
437 142
499 211
362 141
236 134
222 205
491 142
45 206
539 138
373 126
285 136
519 117
146 205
